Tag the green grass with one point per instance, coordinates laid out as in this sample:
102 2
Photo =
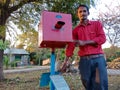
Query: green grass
30 81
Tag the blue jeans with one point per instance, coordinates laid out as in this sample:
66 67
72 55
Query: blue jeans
88 67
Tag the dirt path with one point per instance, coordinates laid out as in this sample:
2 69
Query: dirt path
113 72
33 68
24 69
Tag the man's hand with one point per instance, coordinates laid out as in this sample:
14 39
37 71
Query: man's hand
80 43
83 43
65 65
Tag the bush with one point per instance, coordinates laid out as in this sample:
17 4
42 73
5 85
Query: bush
6 62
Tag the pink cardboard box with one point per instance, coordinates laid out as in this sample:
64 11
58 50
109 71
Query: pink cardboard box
55 30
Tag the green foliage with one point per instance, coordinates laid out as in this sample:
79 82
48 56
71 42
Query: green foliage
114 56
3 45
28 17
14 63
45 53
69 6
6 62
60 54
112 53
40 55
2 31
28 39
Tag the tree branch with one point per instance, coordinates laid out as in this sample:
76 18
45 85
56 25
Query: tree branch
23 2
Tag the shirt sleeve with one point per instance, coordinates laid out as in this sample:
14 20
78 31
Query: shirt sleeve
71 46
101 38
70 49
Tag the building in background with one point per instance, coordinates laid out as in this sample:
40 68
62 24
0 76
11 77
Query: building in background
20 56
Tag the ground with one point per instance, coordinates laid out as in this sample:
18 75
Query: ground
30 81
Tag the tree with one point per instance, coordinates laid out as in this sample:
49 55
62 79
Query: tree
28 40
111 22
69 7
8 7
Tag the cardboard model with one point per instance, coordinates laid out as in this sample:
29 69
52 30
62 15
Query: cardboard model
55 30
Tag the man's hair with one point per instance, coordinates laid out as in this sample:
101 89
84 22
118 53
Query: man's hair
83 5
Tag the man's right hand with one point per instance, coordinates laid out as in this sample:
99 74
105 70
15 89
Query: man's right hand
65 64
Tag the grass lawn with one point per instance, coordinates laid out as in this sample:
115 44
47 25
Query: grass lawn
30 81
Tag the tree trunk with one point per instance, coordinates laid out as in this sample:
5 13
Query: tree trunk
3 17
1 65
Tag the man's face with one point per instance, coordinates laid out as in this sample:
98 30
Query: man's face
82 13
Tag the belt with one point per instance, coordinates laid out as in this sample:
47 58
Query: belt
92 56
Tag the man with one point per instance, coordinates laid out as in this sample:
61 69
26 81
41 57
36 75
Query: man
89 36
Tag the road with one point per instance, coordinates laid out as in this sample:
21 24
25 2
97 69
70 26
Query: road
24 69
33 68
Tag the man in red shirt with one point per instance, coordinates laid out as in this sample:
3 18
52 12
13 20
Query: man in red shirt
89 36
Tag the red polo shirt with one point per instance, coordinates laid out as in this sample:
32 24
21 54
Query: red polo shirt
92 31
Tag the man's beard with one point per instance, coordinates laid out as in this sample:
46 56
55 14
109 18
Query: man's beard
84 18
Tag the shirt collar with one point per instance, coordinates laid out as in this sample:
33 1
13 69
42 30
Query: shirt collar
89 23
